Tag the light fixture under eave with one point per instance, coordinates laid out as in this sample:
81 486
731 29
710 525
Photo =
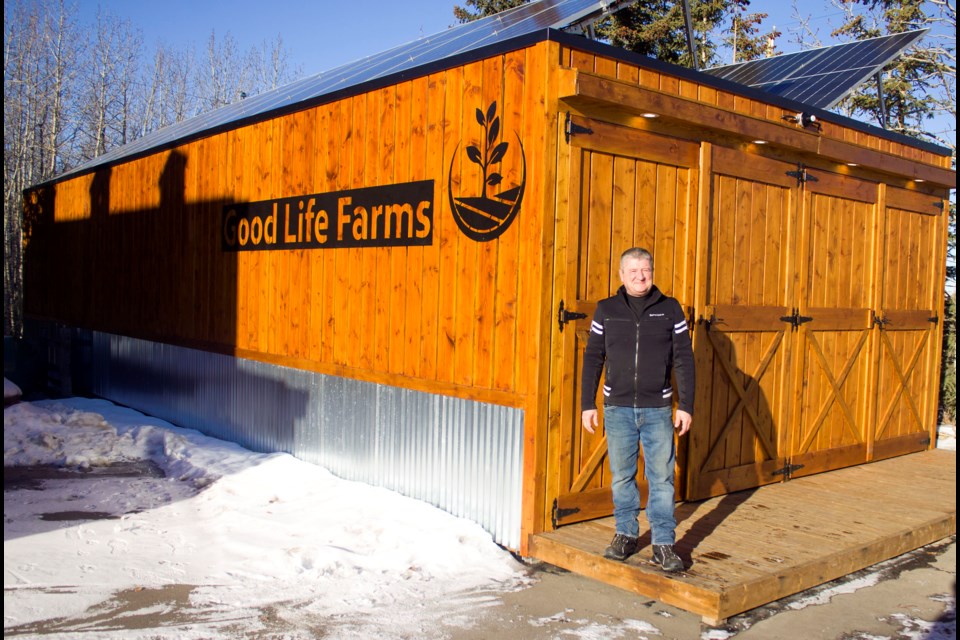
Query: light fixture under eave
759 142
918 180
852 164
650 115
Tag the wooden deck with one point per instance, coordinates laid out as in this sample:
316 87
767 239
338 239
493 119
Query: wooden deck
746 549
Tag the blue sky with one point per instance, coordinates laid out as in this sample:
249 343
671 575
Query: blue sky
320 34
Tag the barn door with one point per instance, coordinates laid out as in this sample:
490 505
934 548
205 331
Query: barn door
744 351
627 188
834 322
907 321
820 341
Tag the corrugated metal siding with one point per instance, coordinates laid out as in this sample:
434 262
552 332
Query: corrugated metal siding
462 456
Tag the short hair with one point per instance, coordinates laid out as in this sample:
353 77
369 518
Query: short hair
638 253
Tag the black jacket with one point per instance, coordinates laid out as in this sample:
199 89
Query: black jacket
640 354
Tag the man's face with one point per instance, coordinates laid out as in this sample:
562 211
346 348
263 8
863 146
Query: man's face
637 276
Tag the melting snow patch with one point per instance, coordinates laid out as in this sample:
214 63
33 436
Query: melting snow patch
912 628
947 437
826 595
633 629
716 634
557 617
918 629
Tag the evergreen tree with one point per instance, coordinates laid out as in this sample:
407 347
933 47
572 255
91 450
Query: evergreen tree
483 8
745 39
948 362
657 28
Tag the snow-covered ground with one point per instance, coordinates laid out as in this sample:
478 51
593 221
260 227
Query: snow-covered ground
251 532
251 529
10 390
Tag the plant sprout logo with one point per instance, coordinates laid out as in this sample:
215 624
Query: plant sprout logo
484 218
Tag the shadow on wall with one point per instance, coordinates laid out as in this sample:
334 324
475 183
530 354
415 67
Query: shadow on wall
737 430
157 273
732 410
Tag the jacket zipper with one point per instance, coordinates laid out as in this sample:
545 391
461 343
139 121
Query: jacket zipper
636 369
636 356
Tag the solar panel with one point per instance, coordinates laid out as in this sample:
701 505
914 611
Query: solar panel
819 77
519 21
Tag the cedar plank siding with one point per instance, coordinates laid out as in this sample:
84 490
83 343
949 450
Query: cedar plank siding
443 317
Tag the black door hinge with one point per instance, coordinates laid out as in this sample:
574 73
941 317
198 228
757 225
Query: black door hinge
801 175
564 316
559 514
795 319
572 129
787 470
711 321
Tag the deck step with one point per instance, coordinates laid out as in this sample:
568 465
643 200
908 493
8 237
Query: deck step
750 548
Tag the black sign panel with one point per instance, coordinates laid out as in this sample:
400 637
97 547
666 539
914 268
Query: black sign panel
396 215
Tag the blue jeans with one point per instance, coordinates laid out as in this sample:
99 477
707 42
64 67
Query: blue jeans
627 428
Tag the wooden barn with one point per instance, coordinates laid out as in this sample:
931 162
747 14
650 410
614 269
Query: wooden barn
386 269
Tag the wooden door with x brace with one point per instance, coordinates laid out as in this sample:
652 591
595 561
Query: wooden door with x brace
817 340
742 341
907 321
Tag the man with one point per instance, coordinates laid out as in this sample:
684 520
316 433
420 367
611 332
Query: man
642 336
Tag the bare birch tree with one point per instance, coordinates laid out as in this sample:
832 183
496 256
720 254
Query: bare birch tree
41 48
166 90
109 74
270 67
73 92
219 80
